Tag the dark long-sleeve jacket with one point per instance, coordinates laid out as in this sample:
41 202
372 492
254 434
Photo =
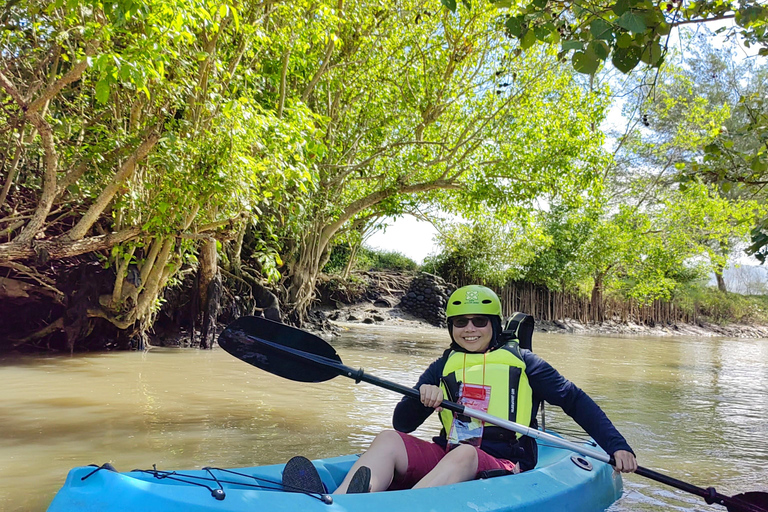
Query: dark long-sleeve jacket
547 385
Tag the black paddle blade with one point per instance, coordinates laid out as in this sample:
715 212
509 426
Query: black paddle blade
755 501
249 339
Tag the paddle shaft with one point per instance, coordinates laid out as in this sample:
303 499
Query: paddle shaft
360 375
710 495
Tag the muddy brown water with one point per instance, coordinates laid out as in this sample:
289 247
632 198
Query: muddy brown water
695 408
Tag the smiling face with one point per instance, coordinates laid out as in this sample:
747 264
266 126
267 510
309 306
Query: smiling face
470 337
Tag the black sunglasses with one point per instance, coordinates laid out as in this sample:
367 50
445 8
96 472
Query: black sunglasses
478 321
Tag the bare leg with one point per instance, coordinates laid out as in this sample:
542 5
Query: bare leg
385 457
458 465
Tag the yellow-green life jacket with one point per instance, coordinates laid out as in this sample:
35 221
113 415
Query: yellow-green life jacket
511 394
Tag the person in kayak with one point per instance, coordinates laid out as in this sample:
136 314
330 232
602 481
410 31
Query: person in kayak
484 373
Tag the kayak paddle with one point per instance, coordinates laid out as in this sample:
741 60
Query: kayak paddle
297 355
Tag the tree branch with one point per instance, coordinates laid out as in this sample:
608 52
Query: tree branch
380 195
72 75
96 209
62 247
319 73
283 79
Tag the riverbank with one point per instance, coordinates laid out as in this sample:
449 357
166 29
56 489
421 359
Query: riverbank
368 313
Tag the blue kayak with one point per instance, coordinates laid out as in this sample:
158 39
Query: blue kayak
561 481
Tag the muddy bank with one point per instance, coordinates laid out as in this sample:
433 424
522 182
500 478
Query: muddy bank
368 313
376 298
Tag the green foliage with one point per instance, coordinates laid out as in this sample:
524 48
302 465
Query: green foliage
634 33
423 108
640 253
558 263
722 308
184 83
696 129
367 259
647 253
309 120
371 259
489 253
626 31
338 259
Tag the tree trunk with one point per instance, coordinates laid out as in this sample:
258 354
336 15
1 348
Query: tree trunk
597 300
303 277
350 261
720 281
209 290
63 247
236 258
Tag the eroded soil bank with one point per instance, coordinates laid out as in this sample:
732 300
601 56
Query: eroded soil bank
368 298
368 313
376 298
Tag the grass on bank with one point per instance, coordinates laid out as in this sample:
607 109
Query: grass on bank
723 308
367 259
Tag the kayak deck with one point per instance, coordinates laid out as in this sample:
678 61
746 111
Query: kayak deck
557 483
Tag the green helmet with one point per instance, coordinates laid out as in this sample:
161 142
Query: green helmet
474 300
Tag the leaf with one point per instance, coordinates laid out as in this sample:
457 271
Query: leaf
572 45
759 165
652 18
450 4
625 59
620 7
600 49
528 39
601 29
663 29
541 33
625 40
632 22
652 54
585 62
102 91
515 26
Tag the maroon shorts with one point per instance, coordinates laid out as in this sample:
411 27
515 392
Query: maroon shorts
423 456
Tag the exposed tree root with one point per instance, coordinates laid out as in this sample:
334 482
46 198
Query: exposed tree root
58 325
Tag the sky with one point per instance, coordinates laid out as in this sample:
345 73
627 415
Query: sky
406 235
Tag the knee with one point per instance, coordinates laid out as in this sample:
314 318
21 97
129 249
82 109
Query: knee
387 439
463 457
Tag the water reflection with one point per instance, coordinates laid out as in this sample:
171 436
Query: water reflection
696 408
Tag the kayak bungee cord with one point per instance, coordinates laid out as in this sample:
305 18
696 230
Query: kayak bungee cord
219 493
325 498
